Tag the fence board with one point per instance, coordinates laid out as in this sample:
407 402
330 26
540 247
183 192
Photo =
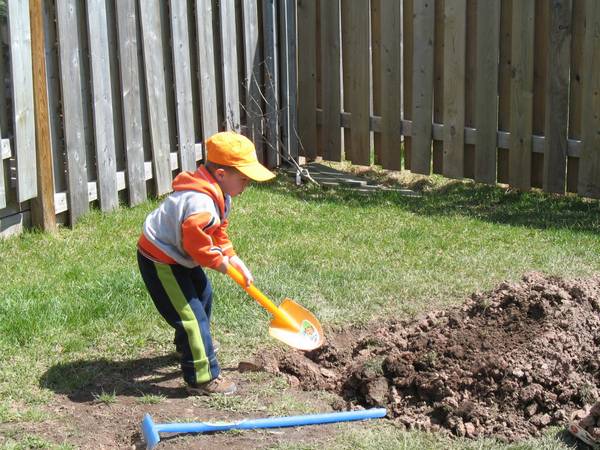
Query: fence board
183 84
438 84
391 85
504 82
288 82
575 90
307 77
152 42
359 88
22 97
72 101
407 74
486 97
589 163
470 76
424 20
521 94
127 25
540 62
206 61
376 74
271 82
557 96
102 105
231 90
252 75
455 15
330 67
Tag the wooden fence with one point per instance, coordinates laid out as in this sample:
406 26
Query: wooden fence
498 91
125 93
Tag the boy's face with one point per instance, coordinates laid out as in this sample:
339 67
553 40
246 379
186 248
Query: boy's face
231 181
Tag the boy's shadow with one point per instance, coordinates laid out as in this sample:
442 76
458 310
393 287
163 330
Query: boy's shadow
87 380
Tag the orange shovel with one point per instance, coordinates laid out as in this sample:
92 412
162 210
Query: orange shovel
292 324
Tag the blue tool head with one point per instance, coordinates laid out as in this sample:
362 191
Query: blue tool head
150 432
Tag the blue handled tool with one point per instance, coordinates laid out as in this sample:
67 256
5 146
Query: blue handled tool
151 429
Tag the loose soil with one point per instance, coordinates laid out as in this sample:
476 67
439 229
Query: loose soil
509 363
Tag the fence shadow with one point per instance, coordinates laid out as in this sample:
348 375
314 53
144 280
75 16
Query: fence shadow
85 380
462 198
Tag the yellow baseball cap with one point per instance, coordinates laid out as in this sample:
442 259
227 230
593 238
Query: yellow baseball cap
228 148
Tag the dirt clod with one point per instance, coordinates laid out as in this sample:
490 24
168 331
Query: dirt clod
508 363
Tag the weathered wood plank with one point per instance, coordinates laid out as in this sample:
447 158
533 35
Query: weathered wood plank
153 41
127 25
359 89
455 18
575 90
288 82
184 108
307 77
330 66
470 76
486 97
391 85
376 74
557 96
271 78
106 165
589 164
422 82
521 94
67 12
438 84
407 74
22 98
231 88
208 86
253 75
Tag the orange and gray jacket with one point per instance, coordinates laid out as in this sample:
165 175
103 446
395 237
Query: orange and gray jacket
190 226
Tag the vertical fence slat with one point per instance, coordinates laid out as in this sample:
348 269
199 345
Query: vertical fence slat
557 96
486 97
391 85
504 83
589 164
127 25
521 94
407 74
455 15
231 90
376 42
438 84
287 59
330 67
470 77
540 63
359 88
184 107
102 105
72 101
307 78
271 82
252 75
424 20
575 89
22 96
150 18
206 61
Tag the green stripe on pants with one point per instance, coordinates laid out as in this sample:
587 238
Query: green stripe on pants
190 324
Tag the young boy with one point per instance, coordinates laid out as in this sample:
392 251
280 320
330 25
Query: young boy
187 232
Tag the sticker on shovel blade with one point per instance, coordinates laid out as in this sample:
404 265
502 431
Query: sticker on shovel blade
308 331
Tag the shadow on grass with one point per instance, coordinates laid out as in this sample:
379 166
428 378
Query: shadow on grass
86 380
494 204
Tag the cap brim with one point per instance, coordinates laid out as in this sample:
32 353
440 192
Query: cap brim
256 172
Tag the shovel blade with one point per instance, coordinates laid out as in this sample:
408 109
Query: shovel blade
306 334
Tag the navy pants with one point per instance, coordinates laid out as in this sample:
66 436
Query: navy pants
183 297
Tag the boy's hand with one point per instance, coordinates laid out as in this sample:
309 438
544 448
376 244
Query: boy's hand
224 264
236 262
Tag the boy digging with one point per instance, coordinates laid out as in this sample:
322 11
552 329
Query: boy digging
187 232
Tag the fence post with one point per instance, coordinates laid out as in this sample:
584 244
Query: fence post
42 207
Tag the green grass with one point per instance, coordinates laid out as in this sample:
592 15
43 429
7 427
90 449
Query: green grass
73 303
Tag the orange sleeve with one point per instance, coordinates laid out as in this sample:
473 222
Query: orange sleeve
222 240
197 241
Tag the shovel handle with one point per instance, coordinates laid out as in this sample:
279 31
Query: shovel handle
261 298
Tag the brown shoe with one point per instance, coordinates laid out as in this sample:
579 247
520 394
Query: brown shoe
219 385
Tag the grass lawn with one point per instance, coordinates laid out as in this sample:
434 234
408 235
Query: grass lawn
348 257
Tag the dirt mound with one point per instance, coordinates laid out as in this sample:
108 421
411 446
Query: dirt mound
508 363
